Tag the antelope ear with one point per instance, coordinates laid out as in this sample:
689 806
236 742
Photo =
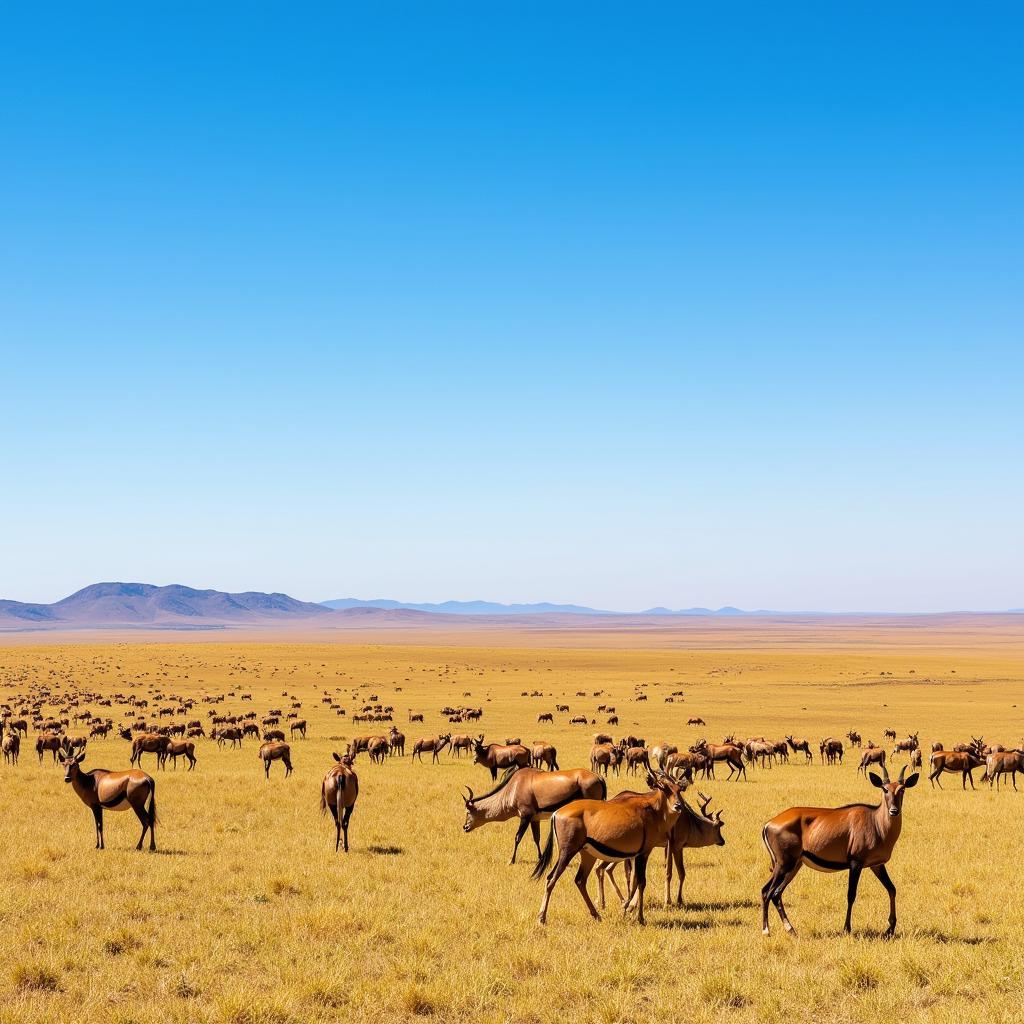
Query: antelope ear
875 780
912 781
336 757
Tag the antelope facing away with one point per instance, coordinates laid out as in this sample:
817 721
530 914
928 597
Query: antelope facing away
338 794
532 795
102 790
847 838
609 832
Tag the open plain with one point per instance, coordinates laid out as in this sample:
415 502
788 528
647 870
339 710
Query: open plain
246 915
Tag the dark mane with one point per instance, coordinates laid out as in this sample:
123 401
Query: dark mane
509 772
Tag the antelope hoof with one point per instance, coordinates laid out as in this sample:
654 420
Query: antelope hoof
765 931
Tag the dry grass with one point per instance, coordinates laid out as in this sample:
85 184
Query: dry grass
247 916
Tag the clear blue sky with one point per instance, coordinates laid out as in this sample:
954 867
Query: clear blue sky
619 304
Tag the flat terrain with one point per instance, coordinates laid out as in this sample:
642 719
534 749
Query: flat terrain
247 915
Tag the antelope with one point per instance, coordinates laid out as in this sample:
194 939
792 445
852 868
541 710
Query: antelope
180 748
578 720
544 755
847 838
873 755
661 752
415 718
696 721
11 748
962 761
460 743
102 790
298 726
854 737
1004 762
603 756
358 744
909 744
496 755
532 795
378 749
801 745
727 752
609 832
149 743
545 717
890 734
691 831
338 793
275 750
396 741
637 758
434 745
831 750
48 741
273 734
915 758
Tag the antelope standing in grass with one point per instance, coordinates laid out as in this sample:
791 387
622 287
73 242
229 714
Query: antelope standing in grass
433 745
460 743
1004 762
11 748
610 832
728 752
531 795
544 755
149 743
298 726
873 755
497 755
803 746
275 750
49 741
102 790
338 794
962 761
396 741
180 748
847 838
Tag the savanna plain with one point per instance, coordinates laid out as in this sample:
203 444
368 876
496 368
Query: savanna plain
246 915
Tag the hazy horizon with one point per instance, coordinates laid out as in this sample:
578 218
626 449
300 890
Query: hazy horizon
682 307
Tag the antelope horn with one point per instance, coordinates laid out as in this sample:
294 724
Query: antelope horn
903 771
885 773
468 799
718 817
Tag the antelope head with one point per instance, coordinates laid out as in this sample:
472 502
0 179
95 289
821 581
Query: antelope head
670 787
475 816
70 760
892 792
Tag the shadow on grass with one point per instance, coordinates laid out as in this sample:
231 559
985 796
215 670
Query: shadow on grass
713 905
386 851
685 925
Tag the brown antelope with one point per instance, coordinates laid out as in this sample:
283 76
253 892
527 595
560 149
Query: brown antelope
11 748
803 746
275 750
637 758
661 752
610 832
338 794
461 743
48 741
848 838
873 755
1004 762
180 748
149 743
696 721
396 740
358 744
831 750
298 726
915 758
962 761
272 734
545 717
544 755
603 756
911 743
728 752
531 795
102 790
497 755
854 737
691 831
378 749
890 734
433 744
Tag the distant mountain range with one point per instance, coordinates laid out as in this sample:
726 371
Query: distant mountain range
494 608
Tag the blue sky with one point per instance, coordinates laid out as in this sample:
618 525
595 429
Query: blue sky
617 304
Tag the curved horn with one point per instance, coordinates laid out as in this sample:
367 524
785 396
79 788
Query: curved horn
718 817
885 772
468 799
903 771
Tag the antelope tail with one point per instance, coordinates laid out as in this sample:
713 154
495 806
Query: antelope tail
152 805
545 858
323 797
604 788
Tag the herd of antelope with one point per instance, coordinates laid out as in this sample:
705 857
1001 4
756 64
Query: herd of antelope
585 823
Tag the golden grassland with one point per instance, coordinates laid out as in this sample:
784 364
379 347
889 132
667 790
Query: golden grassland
246 915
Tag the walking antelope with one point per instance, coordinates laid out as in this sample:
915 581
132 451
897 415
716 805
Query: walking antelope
338 793
1004 762
847 838
102 790
149 743
873 755
275 750
532 795
728 752
433 744
609 832
962 761
180 748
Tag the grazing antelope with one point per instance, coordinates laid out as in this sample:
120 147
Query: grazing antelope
696 721
873 755
102 790
532 796
848 838
11 748
801 745
661 752
544 755
272 734
962 761
298 726
338 793
275 750
378 749
497 755
545 717
609 832
433 744
180 748
1004 762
